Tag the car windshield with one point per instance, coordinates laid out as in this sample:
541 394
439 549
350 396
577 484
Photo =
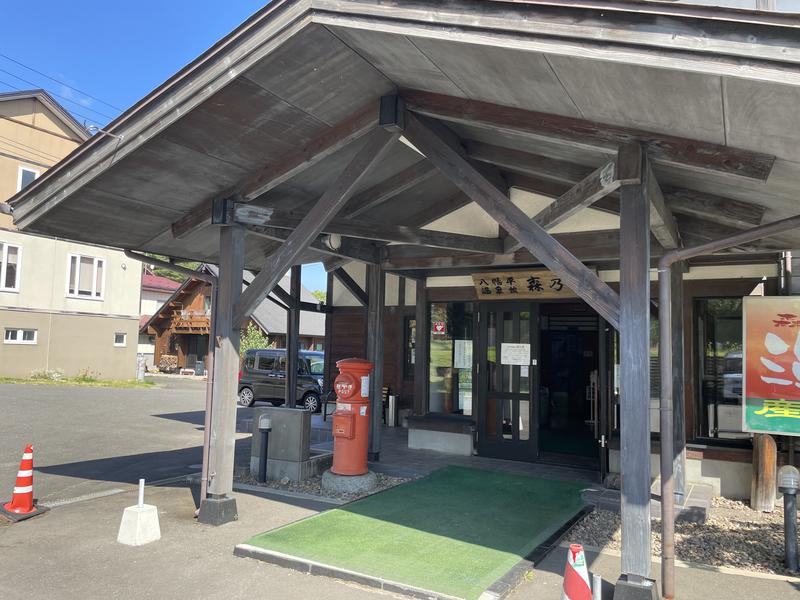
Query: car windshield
316 366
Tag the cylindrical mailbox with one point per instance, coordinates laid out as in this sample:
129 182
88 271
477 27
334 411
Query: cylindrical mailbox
351 418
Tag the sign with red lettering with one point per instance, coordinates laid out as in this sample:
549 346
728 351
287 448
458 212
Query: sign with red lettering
771 398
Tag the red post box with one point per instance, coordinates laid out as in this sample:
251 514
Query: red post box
351 418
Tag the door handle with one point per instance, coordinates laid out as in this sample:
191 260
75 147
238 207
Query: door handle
602 441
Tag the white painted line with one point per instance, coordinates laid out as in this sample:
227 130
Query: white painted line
92 496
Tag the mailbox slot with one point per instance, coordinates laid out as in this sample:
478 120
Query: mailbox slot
343 425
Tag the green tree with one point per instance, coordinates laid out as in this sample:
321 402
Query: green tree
162 272
319 295
252 338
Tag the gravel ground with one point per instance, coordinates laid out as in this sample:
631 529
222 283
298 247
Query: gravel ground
732 536
314 486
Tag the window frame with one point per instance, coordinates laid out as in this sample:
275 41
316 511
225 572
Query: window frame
96 260
697 436
124 343
20 168
4 267
20 341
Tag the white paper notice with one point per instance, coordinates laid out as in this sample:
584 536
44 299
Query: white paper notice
462 358
515 354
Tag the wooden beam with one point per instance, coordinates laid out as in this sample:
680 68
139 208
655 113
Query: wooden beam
376 284
389 188
437 209
337 137
395 233
320 215
602 245
536 165
430 137
662 222
726 211
351 286
634 330
350 249
221 507
273 174
583 194
662 149
292 337
420 403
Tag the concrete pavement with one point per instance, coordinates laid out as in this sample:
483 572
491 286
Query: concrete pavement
72 553
89 440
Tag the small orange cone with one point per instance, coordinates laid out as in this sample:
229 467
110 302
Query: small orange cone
21 505
576 576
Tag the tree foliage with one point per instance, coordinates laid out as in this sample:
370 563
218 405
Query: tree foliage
320 295
162 272
252 339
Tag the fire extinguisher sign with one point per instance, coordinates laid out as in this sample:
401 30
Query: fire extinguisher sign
439 328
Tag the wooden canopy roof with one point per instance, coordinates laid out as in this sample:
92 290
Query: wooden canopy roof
540 94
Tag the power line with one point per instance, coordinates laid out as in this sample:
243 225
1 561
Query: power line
60 82
13 87
36 85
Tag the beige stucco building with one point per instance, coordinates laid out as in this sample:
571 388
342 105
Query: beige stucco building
63 305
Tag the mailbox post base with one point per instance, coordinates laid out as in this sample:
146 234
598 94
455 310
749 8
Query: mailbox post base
349 484
217 510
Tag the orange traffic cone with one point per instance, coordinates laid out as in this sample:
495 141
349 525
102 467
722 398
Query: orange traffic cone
576 576
22 505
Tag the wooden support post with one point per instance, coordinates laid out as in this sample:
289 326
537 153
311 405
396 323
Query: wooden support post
325 209
634 328
220 506
421 350
765 473
678 398
376 286
293 337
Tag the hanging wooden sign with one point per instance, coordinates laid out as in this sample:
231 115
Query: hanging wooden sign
510 285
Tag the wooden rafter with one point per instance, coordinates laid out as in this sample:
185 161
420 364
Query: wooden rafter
320 214
394 233
351 286
664 149
431 138
273 174
388 189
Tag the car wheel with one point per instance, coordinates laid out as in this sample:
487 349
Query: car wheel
311 402
246 397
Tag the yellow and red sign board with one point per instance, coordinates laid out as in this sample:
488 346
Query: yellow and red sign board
771 386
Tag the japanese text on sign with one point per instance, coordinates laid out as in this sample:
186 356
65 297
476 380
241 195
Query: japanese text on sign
520 284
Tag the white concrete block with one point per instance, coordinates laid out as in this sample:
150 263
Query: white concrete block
441 441
139 526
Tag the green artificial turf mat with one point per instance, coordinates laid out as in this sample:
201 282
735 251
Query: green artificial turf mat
455 531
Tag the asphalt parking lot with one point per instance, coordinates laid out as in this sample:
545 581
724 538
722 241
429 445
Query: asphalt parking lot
90 440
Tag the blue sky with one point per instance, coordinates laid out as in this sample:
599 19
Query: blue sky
115 52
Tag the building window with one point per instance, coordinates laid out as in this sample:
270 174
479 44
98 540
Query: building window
120 340
25 177
85 276
719 339
10 260
19 336
450 352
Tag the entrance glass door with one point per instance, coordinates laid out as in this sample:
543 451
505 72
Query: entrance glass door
506 359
